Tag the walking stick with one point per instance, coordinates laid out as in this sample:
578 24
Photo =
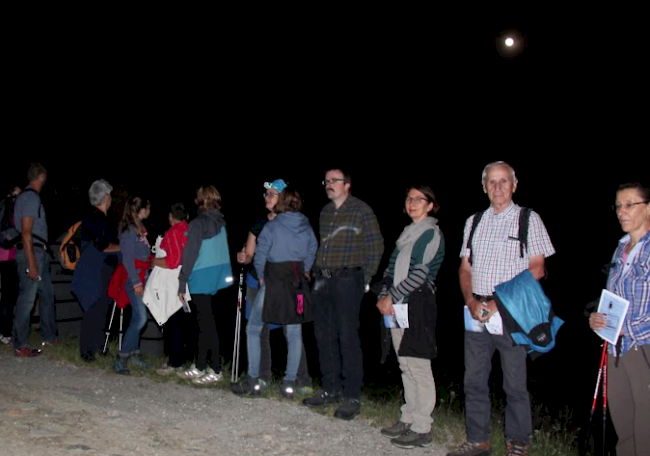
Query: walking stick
604 399
602 373
235 353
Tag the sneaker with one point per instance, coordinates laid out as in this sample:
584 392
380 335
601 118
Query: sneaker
191 373
396 430
27 352
321 399
138 360
515 448
121 365
287 389
166 370
249 387
209 378
411 439
472 449
348 409
6 340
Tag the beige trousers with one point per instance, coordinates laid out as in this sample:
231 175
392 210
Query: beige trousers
419 388
628 397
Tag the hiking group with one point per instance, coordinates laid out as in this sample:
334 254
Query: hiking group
297 278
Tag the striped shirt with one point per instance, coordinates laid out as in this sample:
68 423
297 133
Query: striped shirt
349 238
497 256
419 273
633 284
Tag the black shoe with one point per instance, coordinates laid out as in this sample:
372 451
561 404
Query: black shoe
287 389
396 430
321 399
348 409
249 387
87 357
412 440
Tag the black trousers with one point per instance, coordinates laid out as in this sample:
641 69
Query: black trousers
93 322
9 278
208 346
179 335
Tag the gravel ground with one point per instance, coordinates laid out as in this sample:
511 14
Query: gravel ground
55 408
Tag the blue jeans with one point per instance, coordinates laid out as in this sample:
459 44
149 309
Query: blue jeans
479 349
293 334
27 291
337 305
131 341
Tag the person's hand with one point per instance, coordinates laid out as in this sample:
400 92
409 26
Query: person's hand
597 321
385 305
139 290
33 273
482 311
241 257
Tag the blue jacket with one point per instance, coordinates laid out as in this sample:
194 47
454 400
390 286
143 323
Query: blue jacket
206 258
527 314
288 237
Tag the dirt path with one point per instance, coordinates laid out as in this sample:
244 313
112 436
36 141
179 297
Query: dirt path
55 408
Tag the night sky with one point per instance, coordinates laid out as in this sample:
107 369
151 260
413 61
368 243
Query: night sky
393 104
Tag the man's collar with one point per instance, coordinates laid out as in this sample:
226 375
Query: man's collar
504 213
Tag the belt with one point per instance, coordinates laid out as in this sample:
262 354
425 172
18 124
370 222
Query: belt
483 298
340 272
20 246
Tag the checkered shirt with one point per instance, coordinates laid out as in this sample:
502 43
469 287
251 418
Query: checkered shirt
497 256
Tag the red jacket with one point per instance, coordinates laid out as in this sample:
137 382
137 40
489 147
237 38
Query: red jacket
117 286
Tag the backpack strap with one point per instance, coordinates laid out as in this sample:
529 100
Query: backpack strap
524 217
475 222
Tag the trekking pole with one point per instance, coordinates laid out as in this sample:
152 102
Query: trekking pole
602 369
235 353
604 398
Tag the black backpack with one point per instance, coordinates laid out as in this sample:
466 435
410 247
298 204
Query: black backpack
9 235
524 217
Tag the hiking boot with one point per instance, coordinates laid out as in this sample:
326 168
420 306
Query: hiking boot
396 430
209 378
121 364
138 360
249 387
348 409
27 352
287 389
411 439
321 399
516 448
472 449
6 340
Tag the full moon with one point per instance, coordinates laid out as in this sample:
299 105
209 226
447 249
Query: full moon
509 42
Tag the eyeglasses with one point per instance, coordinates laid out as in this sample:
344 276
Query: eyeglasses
626 206
416 199
333 181
270 194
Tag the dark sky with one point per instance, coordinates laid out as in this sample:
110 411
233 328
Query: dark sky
425 99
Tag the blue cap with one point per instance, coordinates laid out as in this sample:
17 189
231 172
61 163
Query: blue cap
278 185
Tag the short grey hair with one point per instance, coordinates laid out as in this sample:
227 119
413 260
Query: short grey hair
497 163
98 190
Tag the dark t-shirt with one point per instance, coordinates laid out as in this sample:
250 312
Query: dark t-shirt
255 230
97 228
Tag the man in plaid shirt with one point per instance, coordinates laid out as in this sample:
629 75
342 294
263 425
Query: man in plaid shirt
350 251
496 258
